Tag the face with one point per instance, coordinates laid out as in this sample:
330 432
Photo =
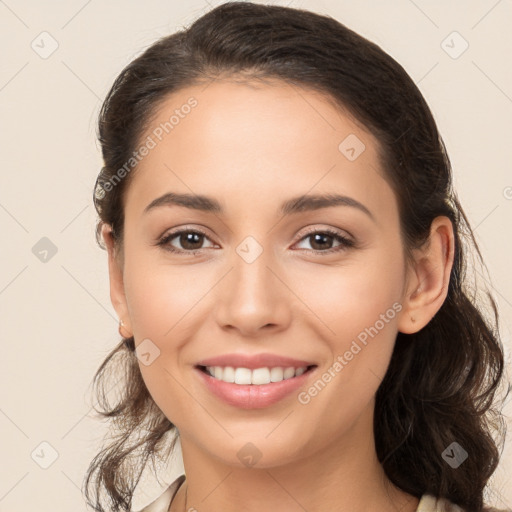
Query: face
321 285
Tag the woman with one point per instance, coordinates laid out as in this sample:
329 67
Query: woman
286 259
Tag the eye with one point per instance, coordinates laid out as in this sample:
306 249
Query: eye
321 239
191 241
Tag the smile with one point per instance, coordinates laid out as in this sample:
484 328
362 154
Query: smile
257 388
257 377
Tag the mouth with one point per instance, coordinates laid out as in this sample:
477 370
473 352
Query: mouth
257 388
254 377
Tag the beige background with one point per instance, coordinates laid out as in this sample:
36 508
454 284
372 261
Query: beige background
57 323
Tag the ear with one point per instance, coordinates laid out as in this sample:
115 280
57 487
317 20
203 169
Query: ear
115 270
428 281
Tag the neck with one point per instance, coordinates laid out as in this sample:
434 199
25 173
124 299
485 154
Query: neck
345 475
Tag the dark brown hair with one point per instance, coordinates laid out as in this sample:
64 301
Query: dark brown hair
442 380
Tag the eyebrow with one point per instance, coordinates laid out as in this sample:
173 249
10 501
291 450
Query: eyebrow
297 204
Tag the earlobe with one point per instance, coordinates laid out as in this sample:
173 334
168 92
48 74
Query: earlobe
117 292
429 280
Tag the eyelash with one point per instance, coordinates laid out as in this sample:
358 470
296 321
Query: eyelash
345 243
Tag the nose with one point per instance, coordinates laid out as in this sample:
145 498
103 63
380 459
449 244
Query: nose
253 297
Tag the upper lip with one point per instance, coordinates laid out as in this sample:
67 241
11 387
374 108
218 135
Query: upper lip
254 361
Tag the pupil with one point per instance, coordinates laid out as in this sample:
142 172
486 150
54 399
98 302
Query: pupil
189 239
319 237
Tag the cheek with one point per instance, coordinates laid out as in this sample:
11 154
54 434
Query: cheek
159 298
349 298
159 295
357 308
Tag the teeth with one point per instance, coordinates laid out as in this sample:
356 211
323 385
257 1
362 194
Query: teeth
276 374
257 377
242 375
227 375
289 372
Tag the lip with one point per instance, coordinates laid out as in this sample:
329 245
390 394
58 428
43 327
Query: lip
254 361
251 396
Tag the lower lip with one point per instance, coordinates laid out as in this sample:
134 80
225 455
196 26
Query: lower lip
251 396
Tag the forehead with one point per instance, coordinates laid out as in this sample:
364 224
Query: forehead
256 143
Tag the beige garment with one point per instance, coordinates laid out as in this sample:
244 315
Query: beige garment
163 502
427 503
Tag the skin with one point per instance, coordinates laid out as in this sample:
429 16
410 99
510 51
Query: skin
252 146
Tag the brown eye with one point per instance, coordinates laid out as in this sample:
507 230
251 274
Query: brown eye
191 241
321 241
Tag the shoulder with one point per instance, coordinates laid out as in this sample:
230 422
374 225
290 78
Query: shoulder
162 503
429 503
